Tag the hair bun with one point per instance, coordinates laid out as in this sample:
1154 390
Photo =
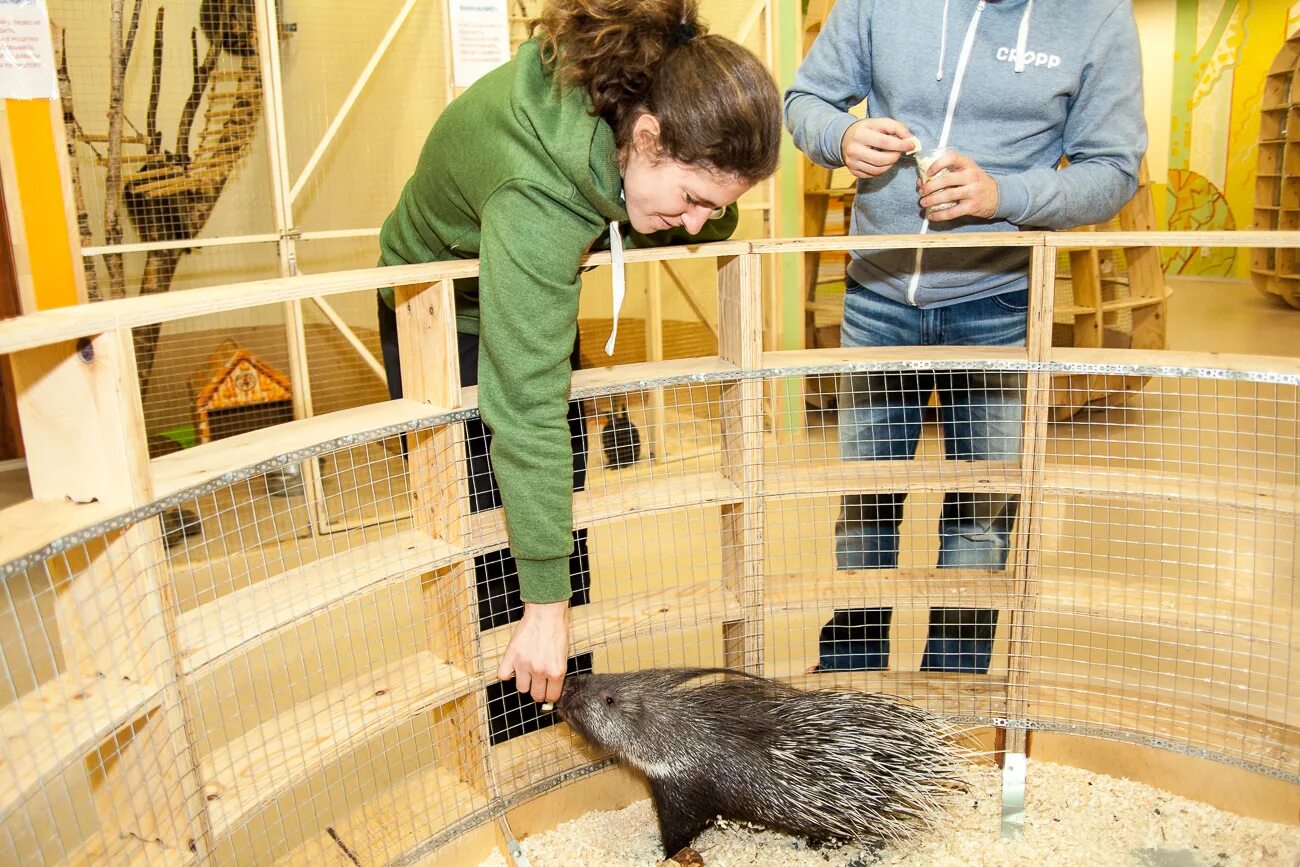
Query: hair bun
684 33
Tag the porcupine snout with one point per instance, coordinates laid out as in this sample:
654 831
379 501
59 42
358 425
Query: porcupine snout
573 702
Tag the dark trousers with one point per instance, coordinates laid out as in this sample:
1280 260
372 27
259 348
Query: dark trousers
496 575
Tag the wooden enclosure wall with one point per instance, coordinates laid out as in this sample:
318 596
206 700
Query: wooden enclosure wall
341 691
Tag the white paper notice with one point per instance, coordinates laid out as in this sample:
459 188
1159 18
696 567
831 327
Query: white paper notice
26 55
480 39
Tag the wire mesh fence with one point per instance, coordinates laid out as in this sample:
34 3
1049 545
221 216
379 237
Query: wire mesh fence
238 140
312 694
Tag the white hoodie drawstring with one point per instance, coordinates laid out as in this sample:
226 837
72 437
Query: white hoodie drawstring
943 43
962 61
617 279
1022 39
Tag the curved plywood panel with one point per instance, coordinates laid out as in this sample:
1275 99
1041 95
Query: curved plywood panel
271 690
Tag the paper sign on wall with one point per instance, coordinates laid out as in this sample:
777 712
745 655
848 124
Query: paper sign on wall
26 54
480 39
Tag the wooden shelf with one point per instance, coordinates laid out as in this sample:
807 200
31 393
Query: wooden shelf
31 525
826 591
60 722
1067 592
1119 600
259 611
195 466
539 756
255 769
1175 360
588 380
954 356
643 496
1169 715
108 847
1171 489
598 624
391 824
816 478
943 694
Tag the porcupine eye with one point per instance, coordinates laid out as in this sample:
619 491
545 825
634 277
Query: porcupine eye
609 700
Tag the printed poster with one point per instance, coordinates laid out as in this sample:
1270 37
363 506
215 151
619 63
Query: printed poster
26 53
480 39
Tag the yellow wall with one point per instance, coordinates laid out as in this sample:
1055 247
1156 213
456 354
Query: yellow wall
1202 108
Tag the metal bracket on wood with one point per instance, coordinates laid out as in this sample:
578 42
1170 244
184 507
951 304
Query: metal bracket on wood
1014 769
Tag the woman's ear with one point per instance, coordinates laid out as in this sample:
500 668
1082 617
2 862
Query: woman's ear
645 135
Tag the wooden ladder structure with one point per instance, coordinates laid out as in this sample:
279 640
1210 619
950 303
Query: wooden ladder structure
1275 272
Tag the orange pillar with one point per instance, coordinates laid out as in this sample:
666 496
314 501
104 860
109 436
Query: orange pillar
38 197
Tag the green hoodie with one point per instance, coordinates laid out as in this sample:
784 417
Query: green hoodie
518 173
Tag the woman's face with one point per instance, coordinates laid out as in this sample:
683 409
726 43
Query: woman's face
662 194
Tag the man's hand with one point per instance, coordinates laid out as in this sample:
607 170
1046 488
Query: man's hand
967 186
538 651
871 146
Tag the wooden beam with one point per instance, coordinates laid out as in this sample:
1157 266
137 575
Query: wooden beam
79 404
1066 240
654 349
1178 362
845 243
1025 558
740 341
439 491
341 115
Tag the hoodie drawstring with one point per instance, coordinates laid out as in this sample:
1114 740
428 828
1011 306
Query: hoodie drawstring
943 43
618 279
967 45
1022 38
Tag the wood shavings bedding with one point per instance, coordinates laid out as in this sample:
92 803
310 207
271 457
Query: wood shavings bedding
1072 817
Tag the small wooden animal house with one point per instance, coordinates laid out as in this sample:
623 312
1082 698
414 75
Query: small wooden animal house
237 392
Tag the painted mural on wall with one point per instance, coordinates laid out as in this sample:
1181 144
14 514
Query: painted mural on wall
1222 52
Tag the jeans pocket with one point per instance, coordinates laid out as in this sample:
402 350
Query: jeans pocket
1017 301
851 286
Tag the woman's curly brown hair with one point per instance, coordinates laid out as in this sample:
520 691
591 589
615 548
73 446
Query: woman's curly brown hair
716 104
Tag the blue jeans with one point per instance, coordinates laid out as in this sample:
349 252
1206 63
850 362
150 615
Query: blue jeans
880 417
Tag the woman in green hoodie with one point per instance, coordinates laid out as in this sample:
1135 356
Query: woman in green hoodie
617 113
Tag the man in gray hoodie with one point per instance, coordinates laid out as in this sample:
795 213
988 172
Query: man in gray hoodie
1010 86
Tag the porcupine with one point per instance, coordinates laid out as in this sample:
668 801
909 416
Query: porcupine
831 766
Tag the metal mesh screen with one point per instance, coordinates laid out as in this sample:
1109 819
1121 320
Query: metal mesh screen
319 689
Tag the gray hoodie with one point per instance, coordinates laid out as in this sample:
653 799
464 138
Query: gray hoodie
1014 85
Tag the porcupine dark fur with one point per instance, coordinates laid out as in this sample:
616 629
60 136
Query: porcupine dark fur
831 766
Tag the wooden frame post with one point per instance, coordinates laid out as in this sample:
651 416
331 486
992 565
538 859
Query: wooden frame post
1026 555
79 402
654 351
282 201
426 327
740 341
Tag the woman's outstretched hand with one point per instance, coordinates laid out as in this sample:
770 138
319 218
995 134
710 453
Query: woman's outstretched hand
538 653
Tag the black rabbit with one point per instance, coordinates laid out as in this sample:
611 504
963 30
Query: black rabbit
620 440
